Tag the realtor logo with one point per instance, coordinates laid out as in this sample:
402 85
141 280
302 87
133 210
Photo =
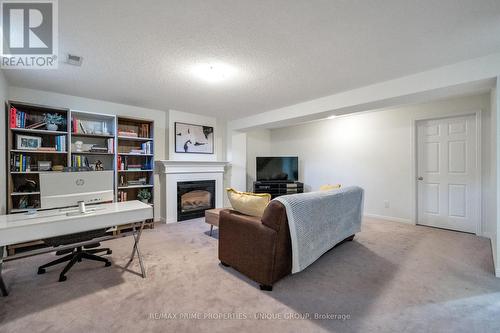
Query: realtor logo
29 34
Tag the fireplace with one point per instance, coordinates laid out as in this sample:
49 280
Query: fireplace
193 198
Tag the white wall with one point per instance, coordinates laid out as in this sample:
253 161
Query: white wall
92 105
373 150
495 172
3 179
258 144
490 227
191 118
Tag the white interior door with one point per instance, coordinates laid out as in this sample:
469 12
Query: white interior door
447 171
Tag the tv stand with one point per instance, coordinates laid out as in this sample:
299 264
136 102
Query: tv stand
277 188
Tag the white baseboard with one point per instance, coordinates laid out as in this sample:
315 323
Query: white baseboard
389 218
161 220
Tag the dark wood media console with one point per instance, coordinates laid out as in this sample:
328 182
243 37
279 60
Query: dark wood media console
278 188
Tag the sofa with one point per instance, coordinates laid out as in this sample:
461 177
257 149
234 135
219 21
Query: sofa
259 248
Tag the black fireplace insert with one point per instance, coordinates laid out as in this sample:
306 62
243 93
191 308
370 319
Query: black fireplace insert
194 198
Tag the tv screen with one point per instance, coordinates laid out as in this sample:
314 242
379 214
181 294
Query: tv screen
278 168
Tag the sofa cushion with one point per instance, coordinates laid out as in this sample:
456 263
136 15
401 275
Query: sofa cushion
252 204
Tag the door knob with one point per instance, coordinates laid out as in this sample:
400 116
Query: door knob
420 178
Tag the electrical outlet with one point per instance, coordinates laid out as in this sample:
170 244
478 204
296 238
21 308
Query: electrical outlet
387 204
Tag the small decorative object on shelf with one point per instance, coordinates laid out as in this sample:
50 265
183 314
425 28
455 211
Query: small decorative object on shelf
79 146
27 142
57 168
144 195
44 165
53 120
99 166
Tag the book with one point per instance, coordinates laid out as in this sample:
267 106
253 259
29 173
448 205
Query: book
13 117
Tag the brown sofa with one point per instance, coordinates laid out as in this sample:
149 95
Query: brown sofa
259 248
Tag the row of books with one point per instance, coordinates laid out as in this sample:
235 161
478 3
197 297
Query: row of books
143 132
61 143
123 164
17 118
147 147
122 196
108 148
20 163
80 161
132 182
111 145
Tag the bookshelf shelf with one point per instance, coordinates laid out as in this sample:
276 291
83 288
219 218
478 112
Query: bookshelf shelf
29 172
38 131
149 170
131 138
88 135
27 151
130 154
91 153
25 193
15 210
134 186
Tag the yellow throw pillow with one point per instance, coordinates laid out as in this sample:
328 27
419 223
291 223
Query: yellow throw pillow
252 204
329 187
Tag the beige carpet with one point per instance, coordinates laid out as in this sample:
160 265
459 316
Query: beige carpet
392 278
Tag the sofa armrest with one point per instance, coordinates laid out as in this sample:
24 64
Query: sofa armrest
247 245
274 215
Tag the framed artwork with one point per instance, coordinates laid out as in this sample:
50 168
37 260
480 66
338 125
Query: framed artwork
193 139
27 142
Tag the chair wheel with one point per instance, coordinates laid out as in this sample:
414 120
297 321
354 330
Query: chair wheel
107 264
62 278
41 271
109 252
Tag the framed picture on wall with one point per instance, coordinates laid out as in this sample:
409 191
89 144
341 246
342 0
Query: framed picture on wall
193 139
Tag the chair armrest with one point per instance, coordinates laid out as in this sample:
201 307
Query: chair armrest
247 245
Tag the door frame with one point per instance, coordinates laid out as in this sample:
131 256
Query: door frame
414 161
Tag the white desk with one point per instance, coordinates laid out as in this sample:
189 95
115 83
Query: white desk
20 228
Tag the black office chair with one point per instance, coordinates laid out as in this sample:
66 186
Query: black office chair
78 253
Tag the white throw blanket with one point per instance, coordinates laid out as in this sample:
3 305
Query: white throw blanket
320 220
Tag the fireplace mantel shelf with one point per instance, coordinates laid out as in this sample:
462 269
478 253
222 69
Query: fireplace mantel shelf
169 167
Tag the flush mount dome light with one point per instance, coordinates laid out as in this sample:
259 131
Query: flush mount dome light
213 72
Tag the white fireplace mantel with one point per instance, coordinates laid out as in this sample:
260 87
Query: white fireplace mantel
172 172
168 166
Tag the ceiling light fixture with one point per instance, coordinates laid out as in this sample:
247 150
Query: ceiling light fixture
213 72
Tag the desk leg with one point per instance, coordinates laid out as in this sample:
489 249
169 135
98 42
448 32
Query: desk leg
3 288
137 237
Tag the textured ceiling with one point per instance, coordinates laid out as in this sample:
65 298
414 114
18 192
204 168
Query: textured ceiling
285 51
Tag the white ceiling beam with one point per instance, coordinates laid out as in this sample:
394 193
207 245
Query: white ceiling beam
468 76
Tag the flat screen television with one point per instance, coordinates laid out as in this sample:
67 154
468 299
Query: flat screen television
285 169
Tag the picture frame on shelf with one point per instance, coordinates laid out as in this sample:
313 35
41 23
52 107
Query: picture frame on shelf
28 142
193 139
